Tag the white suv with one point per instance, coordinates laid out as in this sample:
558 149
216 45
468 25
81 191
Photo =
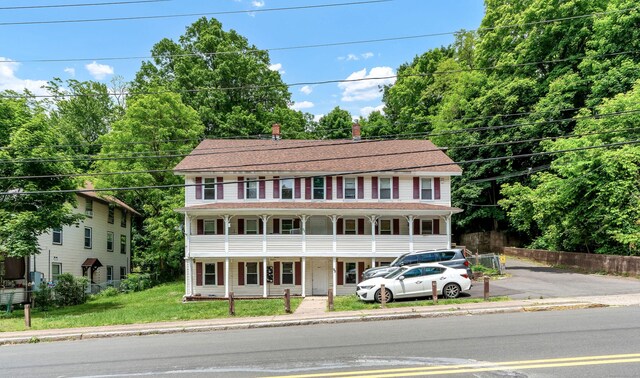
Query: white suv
412 281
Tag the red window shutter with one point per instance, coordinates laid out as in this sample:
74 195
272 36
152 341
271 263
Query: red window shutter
416 226
220 273
340 273
220 227
374 187
328 184
296 223
220 188
297 190
198 187
340 226
436 226
360 270
307 187
260 226
240 226
416 188
240 187
396 187
276 186
276 273
240 274
396 226
262 188
276 225
436 188
199 274
360 187
298 273
339 189
261 274
200 227
360 226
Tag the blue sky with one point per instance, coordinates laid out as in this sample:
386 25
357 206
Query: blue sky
266 30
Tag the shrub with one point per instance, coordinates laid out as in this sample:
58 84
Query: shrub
136 282
43 297
109 292
70 290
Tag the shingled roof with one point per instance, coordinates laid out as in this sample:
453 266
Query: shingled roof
327 156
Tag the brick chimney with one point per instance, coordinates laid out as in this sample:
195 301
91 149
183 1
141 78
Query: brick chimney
275 131
355 131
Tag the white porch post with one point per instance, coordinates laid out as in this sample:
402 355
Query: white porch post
448 221
188 266
373 219
265 219
303 221
227 225
335 275
410 219
334 220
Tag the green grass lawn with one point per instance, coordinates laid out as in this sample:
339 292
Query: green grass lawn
352 303
159 304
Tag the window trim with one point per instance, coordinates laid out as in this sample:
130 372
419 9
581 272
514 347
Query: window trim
314 188
53 236
123 276
380 188
123 244
88 208
390 226
206 222
111 236
205 274
422 188
246 273
111 215
90 238
355 226
248 182
123 217
246 228
355 188
209 188
54 278
282 221
346 272
422 228
293 273
109 267
282 190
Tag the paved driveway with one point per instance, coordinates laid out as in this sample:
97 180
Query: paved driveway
529 280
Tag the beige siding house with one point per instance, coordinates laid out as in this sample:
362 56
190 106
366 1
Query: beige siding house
308 215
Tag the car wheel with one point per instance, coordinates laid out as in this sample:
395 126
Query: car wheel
451 290
388 295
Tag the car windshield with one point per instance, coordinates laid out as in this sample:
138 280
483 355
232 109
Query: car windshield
397 260
395 273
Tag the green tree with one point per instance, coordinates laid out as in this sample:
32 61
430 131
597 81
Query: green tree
335 125
155 133
220 75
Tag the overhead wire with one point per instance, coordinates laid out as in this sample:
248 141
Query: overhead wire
110 3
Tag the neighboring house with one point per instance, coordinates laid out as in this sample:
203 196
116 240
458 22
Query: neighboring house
308 215
97 248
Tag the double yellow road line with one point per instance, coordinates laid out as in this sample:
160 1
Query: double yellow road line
481 367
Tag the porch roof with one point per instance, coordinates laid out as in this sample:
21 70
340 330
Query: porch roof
310 208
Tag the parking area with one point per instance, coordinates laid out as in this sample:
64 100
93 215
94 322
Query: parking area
528 280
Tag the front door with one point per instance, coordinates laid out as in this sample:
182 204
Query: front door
320 277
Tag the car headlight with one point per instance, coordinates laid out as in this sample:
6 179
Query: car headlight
366 287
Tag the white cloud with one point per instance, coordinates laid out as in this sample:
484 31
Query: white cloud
257 3
277 67
316 117
366 87
306 89
367 55
367 110
302 105
9 81
352 57
99 71
71 71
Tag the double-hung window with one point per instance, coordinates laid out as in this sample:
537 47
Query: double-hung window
318 188
350 188
350 227
426 189
350 273
123 218
209 226
287 273
286 225
109 273
123 272
251 273
123 244
88 208
109 241
88 237
57 236
56 270
111 216
385 226
251 188
286 189
209 274
209 188
385 188
427 227
251 226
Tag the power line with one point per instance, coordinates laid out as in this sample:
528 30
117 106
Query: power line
345 173
82 4
156 17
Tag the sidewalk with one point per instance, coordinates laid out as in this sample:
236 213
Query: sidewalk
313 311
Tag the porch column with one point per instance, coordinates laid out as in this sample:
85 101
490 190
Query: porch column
448 222
227 226
303 224
265 219
410 219
188 266
335 275
304 276
373 219
334 220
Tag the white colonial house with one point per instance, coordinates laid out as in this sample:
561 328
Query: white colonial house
308 215
97 248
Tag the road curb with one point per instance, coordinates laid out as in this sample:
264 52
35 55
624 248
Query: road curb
299 322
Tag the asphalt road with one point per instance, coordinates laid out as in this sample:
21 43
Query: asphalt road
587 339
528 280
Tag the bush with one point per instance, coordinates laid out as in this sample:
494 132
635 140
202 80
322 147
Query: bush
109 292
136 282
43 297
70 290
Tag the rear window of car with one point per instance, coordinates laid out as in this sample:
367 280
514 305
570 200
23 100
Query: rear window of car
411 259
447 255
429 257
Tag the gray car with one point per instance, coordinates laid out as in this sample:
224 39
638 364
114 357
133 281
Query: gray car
453 257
